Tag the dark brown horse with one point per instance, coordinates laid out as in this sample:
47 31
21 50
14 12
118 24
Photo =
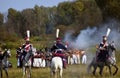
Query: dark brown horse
109 62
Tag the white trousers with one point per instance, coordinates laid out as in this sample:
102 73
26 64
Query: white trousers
84 59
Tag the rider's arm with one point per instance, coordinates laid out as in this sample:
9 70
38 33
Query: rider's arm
101 47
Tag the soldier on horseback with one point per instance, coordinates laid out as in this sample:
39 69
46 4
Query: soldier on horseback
58 50
26 47
103 54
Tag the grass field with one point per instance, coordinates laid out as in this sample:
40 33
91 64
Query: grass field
72 71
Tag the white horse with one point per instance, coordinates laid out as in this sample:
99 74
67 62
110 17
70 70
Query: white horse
27 63
56 64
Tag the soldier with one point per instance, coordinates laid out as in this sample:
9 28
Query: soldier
103 50
58 50
18 56
26 47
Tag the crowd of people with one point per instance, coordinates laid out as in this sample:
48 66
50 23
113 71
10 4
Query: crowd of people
69 56
43 57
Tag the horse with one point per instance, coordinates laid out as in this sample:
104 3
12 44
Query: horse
109 62
4 64
26 63
56 64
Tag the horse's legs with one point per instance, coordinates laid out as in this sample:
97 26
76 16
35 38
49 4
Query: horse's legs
1 72
61 71
89 68
109 69
101 69
24 71
95 67
52 72
55 73
115 70
29 74
6 72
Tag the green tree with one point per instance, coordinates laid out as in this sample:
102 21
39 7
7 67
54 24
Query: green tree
40 18
1 19
28 21
109 8
65 13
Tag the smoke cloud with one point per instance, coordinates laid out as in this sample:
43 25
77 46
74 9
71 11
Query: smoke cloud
92 36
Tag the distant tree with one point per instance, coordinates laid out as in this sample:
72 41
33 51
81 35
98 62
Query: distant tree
109 8
40 18
65 13
1 19
11 23
28 21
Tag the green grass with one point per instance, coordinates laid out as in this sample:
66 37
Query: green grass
72 71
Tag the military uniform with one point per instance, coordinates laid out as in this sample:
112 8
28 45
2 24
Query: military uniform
58 49
27 47
103 51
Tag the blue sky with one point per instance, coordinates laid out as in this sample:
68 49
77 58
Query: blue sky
22 4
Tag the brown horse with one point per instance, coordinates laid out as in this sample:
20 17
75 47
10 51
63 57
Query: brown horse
109 62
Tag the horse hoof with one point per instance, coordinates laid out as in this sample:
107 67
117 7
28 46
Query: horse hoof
94 74
101 75
113 74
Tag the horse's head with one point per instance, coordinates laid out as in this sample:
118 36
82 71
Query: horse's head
7 53
112 47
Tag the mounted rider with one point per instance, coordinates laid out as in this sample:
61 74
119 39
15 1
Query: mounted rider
27 46
103 50
58 50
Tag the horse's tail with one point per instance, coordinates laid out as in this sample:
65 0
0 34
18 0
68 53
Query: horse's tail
90 65
89 68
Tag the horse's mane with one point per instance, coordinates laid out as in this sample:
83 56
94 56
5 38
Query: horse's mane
4 53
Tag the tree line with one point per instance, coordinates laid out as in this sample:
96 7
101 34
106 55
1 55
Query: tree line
40 20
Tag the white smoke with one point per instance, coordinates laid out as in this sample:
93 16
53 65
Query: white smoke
93 36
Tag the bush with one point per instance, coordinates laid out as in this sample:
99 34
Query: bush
9 45
36 39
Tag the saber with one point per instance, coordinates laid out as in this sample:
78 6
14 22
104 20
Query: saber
108 32
57 33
